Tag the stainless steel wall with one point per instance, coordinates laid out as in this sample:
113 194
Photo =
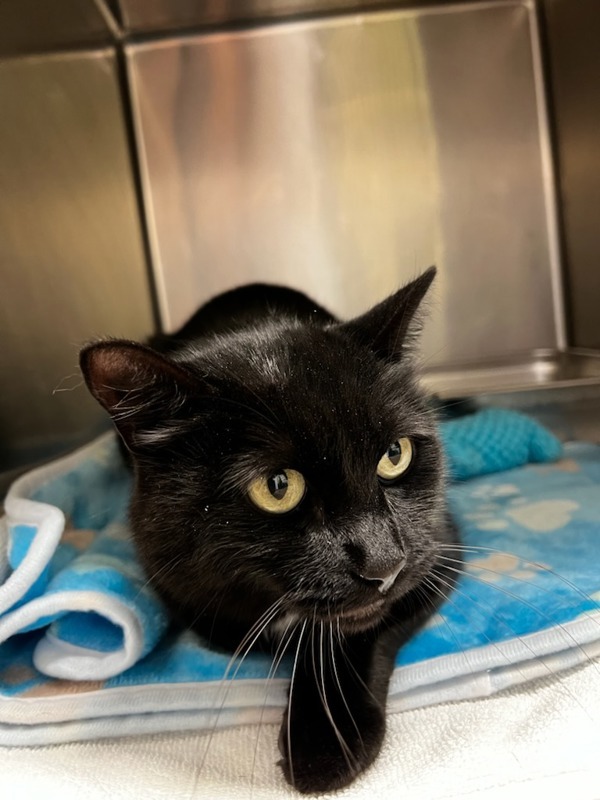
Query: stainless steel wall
573 38
71 258
150 16
342 155
33 26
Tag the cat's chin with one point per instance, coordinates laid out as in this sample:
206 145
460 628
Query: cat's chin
351 620
362 612
356 620
361 619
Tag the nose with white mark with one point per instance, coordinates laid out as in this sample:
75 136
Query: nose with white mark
384 578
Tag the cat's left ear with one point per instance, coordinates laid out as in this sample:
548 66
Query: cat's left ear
141 389
391 328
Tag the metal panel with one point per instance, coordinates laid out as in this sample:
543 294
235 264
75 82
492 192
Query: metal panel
28 26
573 36
542 369
341 156
71 257
142 16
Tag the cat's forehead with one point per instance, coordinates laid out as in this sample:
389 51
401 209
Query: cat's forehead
316 380
298 361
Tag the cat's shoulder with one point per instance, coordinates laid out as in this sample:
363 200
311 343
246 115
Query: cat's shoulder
242 307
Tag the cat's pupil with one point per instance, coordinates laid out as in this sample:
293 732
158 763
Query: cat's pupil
278 485
394 452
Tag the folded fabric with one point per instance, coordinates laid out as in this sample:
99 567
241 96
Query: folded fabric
86 642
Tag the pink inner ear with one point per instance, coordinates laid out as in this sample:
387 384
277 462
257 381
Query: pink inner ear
112 369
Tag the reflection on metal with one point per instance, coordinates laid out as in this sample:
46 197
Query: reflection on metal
341 156
164 15
573 36
542 369
28 26
71 259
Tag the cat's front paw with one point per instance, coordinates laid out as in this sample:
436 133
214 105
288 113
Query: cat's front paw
318 758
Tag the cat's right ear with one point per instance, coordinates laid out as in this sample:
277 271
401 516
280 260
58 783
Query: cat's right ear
136 385
391 328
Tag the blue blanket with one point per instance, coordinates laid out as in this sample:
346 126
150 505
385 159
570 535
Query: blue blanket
81 628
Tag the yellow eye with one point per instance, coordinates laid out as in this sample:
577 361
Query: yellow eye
396 460
278 493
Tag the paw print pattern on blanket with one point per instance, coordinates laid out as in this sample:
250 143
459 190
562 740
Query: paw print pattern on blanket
531 590
529 536
504 503
545 516
494 567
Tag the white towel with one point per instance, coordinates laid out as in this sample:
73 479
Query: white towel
541 740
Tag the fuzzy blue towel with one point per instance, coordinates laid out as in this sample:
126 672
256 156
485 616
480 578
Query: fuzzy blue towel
75 606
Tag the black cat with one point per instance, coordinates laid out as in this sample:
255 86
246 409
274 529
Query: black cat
289 482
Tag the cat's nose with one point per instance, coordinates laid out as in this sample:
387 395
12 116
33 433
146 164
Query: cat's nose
383 577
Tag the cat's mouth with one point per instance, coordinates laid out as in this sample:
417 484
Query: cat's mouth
362 612
352 619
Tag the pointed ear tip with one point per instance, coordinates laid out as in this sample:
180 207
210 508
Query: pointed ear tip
421 284
87 355
100 354
91 350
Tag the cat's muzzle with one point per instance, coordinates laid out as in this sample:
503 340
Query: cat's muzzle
385 579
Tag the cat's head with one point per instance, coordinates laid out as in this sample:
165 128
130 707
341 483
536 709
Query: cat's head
293 462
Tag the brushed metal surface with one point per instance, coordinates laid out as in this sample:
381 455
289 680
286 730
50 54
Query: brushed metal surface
71 257
542 369
573 36
142 16
29 26
342 156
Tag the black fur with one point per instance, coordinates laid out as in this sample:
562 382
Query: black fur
262 379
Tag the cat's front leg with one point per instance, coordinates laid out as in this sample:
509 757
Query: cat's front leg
335 721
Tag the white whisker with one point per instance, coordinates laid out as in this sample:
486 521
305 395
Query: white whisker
289 716
495 645
279 654
339 685
553 622
320 680
248 641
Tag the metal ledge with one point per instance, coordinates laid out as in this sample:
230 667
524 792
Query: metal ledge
541 369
